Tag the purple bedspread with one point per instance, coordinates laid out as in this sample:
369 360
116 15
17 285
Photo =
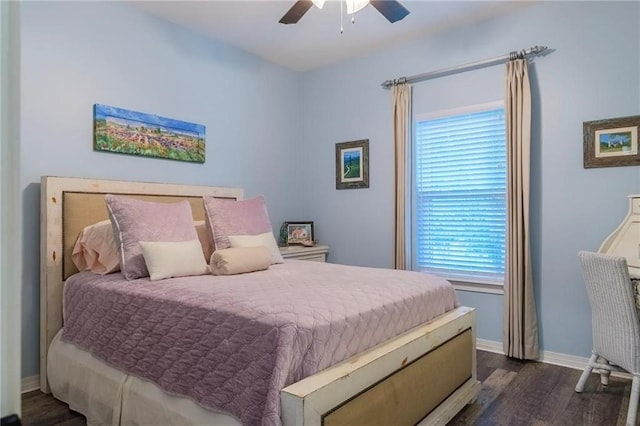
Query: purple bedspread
233 342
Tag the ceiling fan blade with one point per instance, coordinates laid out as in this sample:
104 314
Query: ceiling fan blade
296 12
390 9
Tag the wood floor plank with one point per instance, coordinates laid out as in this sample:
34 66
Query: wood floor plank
39 409
624 406
596 405
558 393
488 362
524 399
495 384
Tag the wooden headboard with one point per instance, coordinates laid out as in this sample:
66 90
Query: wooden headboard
68 205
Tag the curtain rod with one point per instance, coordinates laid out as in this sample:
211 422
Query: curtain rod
534 51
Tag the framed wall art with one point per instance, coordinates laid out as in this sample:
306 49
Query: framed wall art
129 132
612 142
352 164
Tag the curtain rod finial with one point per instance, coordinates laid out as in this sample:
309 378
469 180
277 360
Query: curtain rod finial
388 84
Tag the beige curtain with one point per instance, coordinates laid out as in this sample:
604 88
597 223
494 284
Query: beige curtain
520 334
401 94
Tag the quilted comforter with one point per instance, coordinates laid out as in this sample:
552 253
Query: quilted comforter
233 342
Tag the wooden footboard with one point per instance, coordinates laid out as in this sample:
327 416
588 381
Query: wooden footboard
424 376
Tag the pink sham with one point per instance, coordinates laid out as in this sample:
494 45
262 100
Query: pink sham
230 217
136 220
95 249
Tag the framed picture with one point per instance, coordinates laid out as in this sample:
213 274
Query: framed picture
299 232
613 142
136 133
352 164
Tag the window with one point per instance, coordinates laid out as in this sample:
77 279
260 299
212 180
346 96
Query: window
460 185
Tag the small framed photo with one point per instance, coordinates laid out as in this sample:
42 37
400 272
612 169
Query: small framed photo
610 143
352 164
299 233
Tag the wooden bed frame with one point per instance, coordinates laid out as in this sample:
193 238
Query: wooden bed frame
425 375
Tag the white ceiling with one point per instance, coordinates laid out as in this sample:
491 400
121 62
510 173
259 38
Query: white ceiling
315 40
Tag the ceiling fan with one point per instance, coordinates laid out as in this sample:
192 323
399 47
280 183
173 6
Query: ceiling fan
390 9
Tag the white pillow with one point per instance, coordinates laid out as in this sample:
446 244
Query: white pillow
266 240
240 260
173 259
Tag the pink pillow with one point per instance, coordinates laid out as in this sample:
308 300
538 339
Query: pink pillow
95 249
135 220
230 217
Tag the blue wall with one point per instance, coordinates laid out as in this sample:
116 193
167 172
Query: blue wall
273 131
75 54
594 73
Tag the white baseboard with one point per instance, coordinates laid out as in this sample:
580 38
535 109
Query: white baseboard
547 357
563 360
30 383
489 346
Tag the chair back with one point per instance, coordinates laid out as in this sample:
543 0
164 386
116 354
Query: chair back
616 330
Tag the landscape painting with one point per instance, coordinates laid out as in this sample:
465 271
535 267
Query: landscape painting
616 142
352 164
611 142
130 132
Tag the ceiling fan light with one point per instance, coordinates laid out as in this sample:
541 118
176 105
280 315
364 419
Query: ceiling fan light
354 6
318 3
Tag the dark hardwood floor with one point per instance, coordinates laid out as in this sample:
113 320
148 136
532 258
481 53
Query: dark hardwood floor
513 393
532 393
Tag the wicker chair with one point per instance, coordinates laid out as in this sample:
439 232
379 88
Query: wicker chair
616 329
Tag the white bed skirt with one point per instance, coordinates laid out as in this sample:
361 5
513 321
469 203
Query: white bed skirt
107 396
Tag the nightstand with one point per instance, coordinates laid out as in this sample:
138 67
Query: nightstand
316 253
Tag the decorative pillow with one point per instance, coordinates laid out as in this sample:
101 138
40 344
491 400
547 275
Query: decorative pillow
95 249
265 240
230 217
136 220
240 260
173 259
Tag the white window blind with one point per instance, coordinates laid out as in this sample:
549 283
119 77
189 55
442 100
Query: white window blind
460 198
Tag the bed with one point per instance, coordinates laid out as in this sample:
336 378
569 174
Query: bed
425 374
